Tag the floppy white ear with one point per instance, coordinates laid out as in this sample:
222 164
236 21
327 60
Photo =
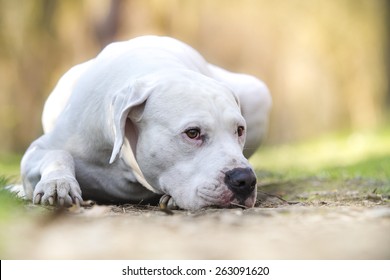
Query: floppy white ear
124 101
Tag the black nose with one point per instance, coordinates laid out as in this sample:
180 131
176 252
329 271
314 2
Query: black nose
241 181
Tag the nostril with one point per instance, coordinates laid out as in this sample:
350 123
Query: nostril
241 181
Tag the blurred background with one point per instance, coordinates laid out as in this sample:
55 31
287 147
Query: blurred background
326 62
327 65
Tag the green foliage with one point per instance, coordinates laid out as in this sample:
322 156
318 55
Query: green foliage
373 167
10 205
9 166
353 153
335 163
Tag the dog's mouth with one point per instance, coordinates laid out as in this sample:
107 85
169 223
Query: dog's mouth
241 202
167 204
228 199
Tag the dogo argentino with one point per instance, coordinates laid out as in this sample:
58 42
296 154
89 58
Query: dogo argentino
145 118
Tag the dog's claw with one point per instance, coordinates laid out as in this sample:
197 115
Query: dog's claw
164 201
77 202
167 203
37 198
51 200
61 202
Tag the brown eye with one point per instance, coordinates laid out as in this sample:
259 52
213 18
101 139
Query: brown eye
240 131
193 133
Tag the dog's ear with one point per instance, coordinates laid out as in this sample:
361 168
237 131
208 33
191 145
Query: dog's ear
125 102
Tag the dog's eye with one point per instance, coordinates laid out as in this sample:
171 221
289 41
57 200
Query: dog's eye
240 131
193 133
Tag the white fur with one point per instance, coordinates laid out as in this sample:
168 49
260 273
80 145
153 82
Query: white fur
115 128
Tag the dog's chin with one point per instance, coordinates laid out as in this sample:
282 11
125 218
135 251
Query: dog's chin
244 203
229 200
237 202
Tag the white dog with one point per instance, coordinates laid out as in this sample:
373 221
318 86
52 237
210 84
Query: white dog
146 118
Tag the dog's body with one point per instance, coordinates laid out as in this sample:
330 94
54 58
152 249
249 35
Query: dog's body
144 118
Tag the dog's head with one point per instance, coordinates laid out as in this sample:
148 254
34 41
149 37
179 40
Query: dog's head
183 135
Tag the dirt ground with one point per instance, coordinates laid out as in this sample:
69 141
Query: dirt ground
329 225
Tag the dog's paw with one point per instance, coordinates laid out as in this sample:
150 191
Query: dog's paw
60 190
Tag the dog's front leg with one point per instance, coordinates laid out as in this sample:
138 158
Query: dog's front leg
49 176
